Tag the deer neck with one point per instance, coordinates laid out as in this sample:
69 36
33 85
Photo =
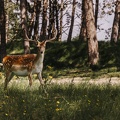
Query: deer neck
39 59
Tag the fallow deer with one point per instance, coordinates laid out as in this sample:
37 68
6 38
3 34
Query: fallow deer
26 65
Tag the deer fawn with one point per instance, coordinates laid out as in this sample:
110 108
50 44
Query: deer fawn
26 65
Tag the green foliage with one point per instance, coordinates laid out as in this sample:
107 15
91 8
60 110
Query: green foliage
64 55
75 54
15 47
109 54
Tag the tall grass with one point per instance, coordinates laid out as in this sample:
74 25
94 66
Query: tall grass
62 102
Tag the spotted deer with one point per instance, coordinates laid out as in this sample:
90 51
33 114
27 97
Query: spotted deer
27 64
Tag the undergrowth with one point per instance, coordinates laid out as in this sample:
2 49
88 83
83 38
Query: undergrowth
62 55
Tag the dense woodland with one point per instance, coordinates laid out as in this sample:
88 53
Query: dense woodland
21 20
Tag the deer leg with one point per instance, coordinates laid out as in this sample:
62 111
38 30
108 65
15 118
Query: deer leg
41 82
40 78
9 76
30 79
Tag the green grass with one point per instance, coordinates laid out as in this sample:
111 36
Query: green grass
65 101
81 72
62 102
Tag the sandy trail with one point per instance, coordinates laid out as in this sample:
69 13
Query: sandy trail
66 80
112 80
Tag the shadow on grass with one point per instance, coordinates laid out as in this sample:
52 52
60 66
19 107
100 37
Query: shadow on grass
63 102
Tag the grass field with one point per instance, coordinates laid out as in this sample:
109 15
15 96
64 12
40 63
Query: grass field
61 102
65 101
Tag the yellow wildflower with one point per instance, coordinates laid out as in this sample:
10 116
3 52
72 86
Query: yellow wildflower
6 114
49 67
58 102
57 109
50 77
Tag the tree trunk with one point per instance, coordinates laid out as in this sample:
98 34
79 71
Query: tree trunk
93 53
44 21
7 19
51 18
36 27
96 12
72 22
32 20
116 25
24 25
83 35
61 20
2 31
57 16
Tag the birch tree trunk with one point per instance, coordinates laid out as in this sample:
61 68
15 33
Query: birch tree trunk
116 24
93 53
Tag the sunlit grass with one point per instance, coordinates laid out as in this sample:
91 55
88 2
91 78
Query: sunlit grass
81 72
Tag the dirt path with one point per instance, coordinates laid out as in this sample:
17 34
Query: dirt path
67 80
112 80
